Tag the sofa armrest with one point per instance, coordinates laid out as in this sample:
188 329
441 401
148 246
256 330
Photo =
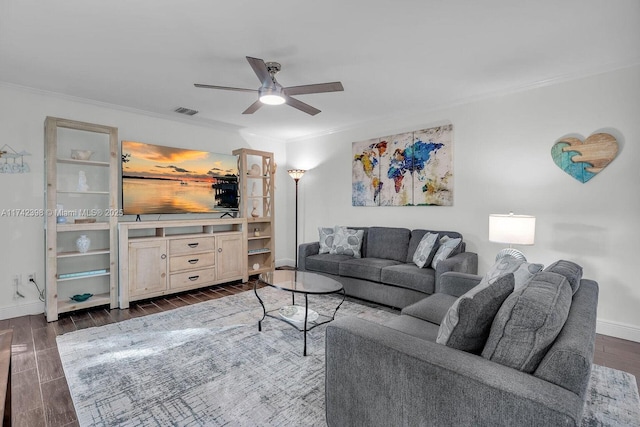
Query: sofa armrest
464 262
457 284
377 376
305 250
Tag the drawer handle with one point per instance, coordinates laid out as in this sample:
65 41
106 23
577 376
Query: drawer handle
193 261
192 245
194 278
163 256
219 249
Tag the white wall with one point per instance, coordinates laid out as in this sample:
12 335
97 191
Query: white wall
22 115
502 163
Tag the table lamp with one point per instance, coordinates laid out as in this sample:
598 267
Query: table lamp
513 230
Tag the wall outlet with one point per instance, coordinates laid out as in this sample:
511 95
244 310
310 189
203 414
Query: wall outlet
32 277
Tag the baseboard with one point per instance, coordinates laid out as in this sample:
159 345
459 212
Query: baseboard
21 310
285 262
618 330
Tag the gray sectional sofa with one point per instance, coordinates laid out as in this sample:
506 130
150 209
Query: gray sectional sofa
400 373
385 272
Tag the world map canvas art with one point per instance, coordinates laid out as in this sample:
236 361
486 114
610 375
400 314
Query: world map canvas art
408 169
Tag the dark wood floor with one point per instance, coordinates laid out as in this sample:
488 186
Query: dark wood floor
40 395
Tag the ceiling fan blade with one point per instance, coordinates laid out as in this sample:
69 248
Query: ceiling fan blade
260 68
317 88
253 107
237 89
301 105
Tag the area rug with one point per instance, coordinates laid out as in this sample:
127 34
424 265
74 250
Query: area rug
207 365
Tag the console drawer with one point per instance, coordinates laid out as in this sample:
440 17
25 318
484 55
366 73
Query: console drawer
191 245
192 262
192 279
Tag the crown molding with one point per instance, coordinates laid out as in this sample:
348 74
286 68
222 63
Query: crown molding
176 118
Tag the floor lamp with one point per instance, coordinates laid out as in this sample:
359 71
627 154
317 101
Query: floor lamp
296 174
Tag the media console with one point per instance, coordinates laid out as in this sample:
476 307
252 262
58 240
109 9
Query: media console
163 257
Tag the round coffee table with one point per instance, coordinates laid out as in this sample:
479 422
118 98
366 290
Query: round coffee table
299 282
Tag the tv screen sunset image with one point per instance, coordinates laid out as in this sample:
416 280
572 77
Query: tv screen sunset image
163 180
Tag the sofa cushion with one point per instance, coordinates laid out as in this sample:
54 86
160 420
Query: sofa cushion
568 361
528 322
325 238
432 308
365 268
423 255
447 246
325 263
467 324
347 241
570 270
409 276
388 243
415 327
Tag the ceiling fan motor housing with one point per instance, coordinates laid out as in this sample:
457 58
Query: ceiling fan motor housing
273 67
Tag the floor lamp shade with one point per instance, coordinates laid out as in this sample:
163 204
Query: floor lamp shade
512 230
296 173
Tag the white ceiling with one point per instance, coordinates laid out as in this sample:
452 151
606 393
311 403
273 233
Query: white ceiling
393 57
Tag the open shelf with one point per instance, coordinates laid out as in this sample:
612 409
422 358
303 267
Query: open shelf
73 254
83 162
83 193
83 226
65 306
83 275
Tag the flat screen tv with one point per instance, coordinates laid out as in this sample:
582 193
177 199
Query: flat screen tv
166 180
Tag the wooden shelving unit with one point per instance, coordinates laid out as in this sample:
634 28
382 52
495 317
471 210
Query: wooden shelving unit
99 200
257 204
164 257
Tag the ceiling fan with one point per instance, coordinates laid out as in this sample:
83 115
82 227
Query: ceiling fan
272 93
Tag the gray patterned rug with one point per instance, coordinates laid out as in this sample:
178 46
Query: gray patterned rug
207 365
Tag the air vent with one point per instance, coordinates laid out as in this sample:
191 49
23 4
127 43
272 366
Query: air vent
187 111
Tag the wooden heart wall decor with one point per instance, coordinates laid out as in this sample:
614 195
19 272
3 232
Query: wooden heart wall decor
584 160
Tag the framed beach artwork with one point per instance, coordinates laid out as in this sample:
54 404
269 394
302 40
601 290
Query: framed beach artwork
408 169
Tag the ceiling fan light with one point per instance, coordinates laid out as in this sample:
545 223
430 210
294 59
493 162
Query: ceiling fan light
271 96
272 99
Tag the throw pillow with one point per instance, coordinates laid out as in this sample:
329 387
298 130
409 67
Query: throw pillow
326 239
347 241
570 270
467 324
447 245
425 250
528 322
522 271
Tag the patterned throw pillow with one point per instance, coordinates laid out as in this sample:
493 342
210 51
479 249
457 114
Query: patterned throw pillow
425 250
447 245
522 271
347 241
326 239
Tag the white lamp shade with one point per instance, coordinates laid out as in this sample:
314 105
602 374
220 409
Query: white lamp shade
296 173
512 229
